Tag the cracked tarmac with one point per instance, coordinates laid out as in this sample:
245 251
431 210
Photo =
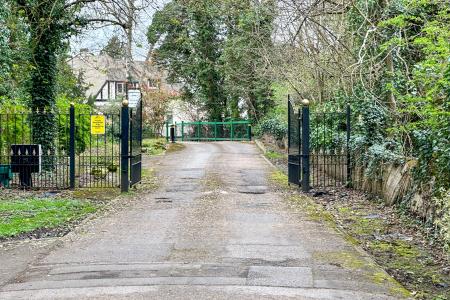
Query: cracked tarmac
214 229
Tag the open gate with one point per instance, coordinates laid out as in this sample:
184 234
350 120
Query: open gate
293 144
318 152
136 145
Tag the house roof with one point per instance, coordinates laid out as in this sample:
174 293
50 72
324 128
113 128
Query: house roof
97 69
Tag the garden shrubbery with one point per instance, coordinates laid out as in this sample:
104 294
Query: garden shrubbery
272 126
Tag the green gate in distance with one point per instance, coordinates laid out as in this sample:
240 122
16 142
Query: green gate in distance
212 131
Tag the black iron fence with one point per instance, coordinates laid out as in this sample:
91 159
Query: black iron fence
87 150
319 153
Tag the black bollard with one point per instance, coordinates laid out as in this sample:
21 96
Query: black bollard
172 134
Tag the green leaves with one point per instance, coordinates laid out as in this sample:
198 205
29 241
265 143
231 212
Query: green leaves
211 47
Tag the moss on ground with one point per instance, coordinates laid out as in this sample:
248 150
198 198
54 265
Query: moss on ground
149 179
280 179
273 155
175 147
346 259
96 193
403 259
314 211
395 287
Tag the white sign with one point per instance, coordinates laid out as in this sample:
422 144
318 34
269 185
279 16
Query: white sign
134 97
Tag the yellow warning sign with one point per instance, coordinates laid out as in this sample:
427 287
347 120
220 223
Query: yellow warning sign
98 124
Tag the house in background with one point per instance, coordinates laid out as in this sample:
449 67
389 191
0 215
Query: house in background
106 77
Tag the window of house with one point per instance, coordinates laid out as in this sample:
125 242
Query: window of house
120 88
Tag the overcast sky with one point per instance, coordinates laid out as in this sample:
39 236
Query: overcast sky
96 39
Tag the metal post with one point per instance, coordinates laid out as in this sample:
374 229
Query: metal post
305 146
215 131
72 146
249 131
349 167
167 131
124 153
289 122
172 134
232 131
198 131
182 131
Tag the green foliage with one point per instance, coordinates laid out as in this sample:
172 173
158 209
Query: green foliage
154 146
16 118
23 216
272 126
249 29
15 64
115 48
47 31
187 35
209 46
69 85
82 124
442 220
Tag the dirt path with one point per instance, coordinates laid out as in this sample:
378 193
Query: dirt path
215 229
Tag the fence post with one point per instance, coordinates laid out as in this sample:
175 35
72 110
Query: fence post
305 146
232 130
72 146
198 131
349 168
124 153
289 122
167 131
249 132
182 131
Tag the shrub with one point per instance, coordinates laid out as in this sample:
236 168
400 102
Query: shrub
273 127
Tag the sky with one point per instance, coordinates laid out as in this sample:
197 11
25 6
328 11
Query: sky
94 39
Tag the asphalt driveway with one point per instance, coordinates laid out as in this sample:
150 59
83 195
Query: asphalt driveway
214 229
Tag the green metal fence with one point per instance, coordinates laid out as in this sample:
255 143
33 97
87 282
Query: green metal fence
211 131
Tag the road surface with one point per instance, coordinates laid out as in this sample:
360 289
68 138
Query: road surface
214 229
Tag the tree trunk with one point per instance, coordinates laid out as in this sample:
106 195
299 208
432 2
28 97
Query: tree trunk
42 89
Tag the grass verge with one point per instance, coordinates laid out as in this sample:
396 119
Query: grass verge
25 216
155 146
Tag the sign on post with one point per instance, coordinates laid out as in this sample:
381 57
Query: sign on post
98 124
134 96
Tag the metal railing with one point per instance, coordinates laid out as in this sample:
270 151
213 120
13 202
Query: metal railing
72 154
211 131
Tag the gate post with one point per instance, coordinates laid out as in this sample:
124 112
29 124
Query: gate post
124 152
249 131
305 145
182 131
215 131
167 131
289 122
72 146
349 168
232 130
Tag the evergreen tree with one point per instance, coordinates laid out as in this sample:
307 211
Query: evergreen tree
115 48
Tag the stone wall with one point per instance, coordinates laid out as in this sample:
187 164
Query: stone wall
395 185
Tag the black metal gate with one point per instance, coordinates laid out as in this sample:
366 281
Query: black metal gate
136 145
293 143
87 149
319 153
